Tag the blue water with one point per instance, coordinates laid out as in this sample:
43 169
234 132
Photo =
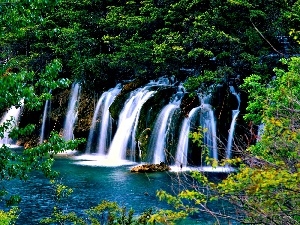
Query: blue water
93 184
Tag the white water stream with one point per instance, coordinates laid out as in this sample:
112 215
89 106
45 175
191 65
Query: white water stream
71 116
124 139
183 142
44 120
102 117
235 113
12 116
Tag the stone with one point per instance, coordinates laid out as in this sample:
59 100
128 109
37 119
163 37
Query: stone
149 168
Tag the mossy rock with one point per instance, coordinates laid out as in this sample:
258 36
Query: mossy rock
143 141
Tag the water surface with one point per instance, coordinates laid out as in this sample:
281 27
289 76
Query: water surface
92 184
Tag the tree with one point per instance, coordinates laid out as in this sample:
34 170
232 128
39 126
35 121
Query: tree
265 187
23 86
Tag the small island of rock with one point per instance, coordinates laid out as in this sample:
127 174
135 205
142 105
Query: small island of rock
150 168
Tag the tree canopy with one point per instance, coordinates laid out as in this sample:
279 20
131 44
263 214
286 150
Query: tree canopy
101 42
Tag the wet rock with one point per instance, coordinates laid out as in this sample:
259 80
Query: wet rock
149 168
188 103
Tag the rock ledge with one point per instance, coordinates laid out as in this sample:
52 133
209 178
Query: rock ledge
150 168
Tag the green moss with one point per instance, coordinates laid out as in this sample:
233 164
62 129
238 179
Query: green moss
143 141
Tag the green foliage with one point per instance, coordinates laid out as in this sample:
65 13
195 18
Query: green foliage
58 217
166 217
265 187
29 87
202 82
103 41
197 136
269 187
108 212
105 213
15 165
61 191
257 96
293 15
8 217
278 106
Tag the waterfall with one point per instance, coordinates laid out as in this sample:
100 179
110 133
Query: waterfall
260 131
161 130
122 148
125 134
93 125
208 122
124 139
103 119
183 142
12 117
232 125
71 116
44 119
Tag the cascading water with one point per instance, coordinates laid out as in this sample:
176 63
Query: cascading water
161 130
122 149
183 143
12 116
233 122
124 138
103 118
71 116
208 123
92 128
44 119
260 131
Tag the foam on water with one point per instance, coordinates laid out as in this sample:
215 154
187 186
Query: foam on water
99 160
218 169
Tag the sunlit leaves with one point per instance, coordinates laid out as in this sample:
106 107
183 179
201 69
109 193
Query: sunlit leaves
269 191
9 217
170 199
279 105
59 217
166 217
265 194
241 2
